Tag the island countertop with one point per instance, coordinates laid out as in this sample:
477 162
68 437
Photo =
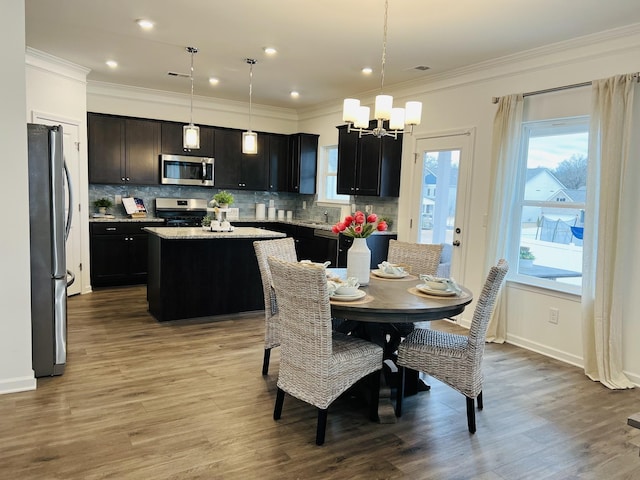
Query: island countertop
197 233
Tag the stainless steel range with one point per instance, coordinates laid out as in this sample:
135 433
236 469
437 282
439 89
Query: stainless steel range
181 212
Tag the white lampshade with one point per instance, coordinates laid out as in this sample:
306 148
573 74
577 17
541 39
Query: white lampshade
250 142
413 113
191 136
384 103
350 110
362 120
397 119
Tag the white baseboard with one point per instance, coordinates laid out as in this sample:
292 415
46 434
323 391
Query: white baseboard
13 385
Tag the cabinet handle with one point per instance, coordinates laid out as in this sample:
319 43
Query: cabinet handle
128 179
122 179
111 229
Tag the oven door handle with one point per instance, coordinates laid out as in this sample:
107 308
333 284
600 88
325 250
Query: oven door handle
204 171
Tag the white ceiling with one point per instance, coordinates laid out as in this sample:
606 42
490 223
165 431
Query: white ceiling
322 44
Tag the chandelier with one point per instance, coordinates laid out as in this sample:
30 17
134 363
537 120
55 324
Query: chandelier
357 116
250 138
191 132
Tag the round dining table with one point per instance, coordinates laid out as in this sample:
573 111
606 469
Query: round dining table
397 300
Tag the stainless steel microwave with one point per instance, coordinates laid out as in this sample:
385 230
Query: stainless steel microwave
183 170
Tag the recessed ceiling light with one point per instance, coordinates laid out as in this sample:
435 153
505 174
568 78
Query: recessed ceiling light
145 24
367 70
112 63
294 94
214 81
270 50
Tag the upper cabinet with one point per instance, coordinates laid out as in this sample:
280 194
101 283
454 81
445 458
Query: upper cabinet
368 165
172 141
236 170
123 150
303 163
293 162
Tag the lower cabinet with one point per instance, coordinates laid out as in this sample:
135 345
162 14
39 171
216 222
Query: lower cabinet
118 253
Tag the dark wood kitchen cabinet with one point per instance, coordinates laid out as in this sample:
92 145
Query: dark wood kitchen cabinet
118 253
368 165
123 150
172 143
303 164
278 161
236 170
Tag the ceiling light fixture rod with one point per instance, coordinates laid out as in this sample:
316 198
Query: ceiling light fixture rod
250 138
357 116
191 133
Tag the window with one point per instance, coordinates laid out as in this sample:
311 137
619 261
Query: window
552 195
328 177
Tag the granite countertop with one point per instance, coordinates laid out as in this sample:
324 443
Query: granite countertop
301 223
192 233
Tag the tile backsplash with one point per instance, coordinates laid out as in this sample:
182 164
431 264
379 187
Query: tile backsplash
244 200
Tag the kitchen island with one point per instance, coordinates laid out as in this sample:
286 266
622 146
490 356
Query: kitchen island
197 273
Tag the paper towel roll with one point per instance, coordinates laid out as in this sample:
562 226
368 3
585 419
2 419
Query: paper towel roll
344 211
260 208
272 213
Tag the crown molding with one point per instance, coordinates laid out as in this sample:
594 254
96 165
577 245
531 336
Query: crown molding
174 99
48 63
581 48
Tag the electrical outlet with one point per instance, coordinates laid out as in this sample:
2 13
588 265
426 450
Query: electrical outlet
554 313
304 204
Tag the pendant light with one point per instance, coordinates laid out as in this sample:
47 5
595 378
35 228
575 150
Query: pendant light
357 116
191 132
250 138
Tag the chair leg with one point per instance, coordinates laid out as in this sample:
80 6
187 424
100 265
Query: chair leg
471 415
479 399
322 426
375 395
277 411
265 361
400 391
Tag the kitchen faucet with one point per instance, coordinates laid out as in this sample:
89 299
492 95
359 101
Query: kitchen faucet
326 217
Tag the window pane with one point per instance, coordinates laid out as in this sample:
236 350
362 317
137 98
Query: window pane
553 204
332 158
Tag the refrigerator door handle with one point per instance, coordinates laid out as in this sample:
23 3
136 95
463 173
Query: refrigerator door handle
67 227
59 269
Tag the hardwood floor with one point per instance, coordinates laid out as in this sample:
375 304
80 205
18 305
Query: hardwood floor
186 400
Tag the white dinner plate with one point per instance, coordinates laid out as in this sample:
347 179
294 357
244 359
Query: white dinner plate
349 298
381 274
432 291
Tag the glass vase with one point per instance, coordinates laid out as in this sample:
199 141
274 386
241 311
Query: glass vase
359 261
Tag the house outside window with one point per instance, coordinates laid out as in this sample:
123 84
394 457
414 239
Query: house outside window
552 194
328 177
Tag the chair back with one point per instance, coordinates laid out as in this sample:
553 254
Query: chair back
486 302
285 249
305 322
421 257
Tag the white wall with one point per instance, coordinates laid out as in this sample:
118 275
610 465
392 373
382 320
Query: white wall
463 100
58 89
15 291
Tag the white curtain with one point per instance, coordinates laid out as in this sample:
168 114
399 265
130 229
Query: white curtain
507 126
610 231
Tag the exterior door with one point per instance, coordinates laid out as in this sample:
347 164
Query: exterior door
441 192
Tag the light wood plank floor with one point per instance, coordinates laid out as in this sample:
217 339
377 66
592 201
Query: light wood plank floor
186 400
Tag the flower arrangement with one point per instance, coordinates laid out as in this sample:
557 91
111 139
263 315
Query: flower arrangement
359 225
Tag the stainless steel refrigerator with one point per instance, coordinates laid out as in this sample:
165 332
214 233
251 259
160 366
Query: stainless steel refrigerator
49 227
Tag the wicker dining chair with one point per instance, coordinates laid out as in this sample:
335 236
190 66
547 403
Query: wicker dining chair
420 257
283 248
316 364
451 358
